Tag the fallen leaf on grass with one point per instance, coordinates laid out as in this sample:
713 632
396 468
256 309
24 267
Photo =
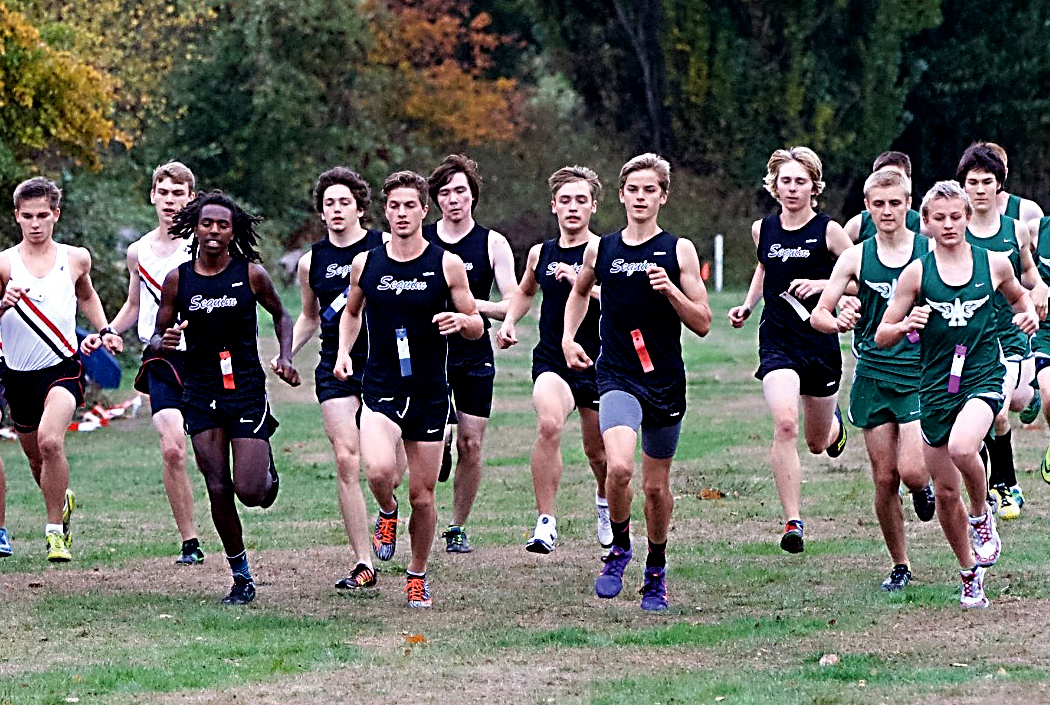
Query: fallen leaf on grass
829 659
711 493
415 639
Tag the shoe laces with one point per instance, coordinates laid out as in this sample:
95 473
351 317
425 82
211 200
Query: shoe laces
361 574
983 530
416 589
652 584
616 559
970 584
454 536
898 573
386 529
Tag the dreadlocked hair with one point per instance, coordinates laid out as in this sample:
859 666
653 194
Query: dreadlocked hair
184 224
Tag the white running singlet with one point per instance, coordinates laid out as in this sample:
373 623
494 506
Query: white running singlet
152 270
40 330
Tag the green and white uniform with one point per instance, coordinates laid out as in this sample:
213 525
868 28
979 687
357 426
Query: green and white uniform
885 381
960 315
1041 340
1013 340
913 222
1013 207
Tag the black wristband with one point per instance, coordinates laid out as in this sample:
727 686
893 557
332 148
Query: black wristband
107 331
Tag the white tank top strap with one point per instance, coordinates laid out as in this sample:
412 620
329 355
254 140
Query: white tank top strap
152 271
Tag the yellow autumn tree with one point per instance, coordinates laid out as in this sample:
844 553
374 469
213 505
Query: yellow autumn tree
434 61
52 105
135 42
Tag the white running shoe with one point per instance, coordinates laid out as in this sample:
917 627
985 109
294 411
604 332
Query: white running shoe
973 589
605 532
986 543
544 537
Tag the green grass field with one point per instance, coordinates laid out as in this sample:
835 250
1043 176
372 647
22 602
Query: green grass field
747 623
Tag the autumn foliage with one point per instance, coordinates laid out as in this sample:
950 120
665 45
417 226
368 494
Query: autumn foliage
435 60
51 103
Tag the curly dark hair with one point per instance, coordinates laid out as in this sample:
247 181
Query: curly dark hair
347 177
184 224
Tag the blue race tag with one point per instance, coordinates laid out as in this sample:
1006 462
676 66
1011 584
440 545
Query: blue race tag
402 352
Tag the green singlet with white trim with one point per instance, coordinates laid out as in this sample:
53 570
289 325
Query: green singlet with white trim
1012 339
959 315
1041 340
912 221
877 282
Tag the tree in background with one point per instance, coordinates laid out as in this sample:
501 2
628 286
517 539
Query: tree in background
54 107
431 60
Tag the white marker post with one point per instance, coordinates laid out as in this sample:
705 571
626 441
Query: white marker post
719 252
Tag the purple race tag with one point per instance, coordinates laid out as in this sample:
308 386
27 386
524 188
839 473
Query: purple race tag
913 336
955 377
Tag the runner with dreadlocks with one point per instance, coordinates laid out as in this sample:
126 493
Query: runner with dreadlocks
213 296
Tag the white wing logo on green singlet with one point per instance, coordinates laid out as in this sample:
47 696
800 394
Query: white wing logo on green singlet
1045 261
957 312
885 290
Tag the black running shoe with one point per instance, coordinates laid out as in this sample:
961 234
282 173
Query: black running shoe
275 485
839 444
792 541
242 592
456 540
362 576
446 457
191 553
924 502
899 577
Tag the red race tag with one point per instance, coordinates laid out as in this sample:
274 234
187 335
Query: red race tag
226 367
643 354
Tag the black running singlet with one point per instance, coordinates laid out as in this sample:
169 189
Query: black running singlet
641 333
787 255
329 279
473 249
552 308
406 352
220 315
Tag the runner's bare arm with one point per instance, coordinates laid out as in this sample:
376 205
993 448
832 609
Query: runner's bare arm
1029 272
1006 283
350 320
91 305
520 301
823 317
897 321
739 314
128 314
465 320
501 258
690 298
576 308
266 294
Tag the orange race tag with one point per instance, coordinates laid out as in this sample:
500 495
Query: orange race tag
226 367
643 354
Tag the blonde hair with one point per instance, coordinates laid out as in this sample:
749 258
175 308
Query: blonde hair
998 150
178 172
887 178
945 190
571 174
649 160
805 157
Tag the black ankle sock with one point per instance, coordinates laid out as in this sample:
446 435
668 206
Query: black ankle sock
622 533
1001 457
388 514
190 545
657 557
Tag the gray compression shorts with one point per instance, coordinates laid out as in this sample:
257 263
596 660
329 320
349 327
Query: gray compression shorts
619 408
